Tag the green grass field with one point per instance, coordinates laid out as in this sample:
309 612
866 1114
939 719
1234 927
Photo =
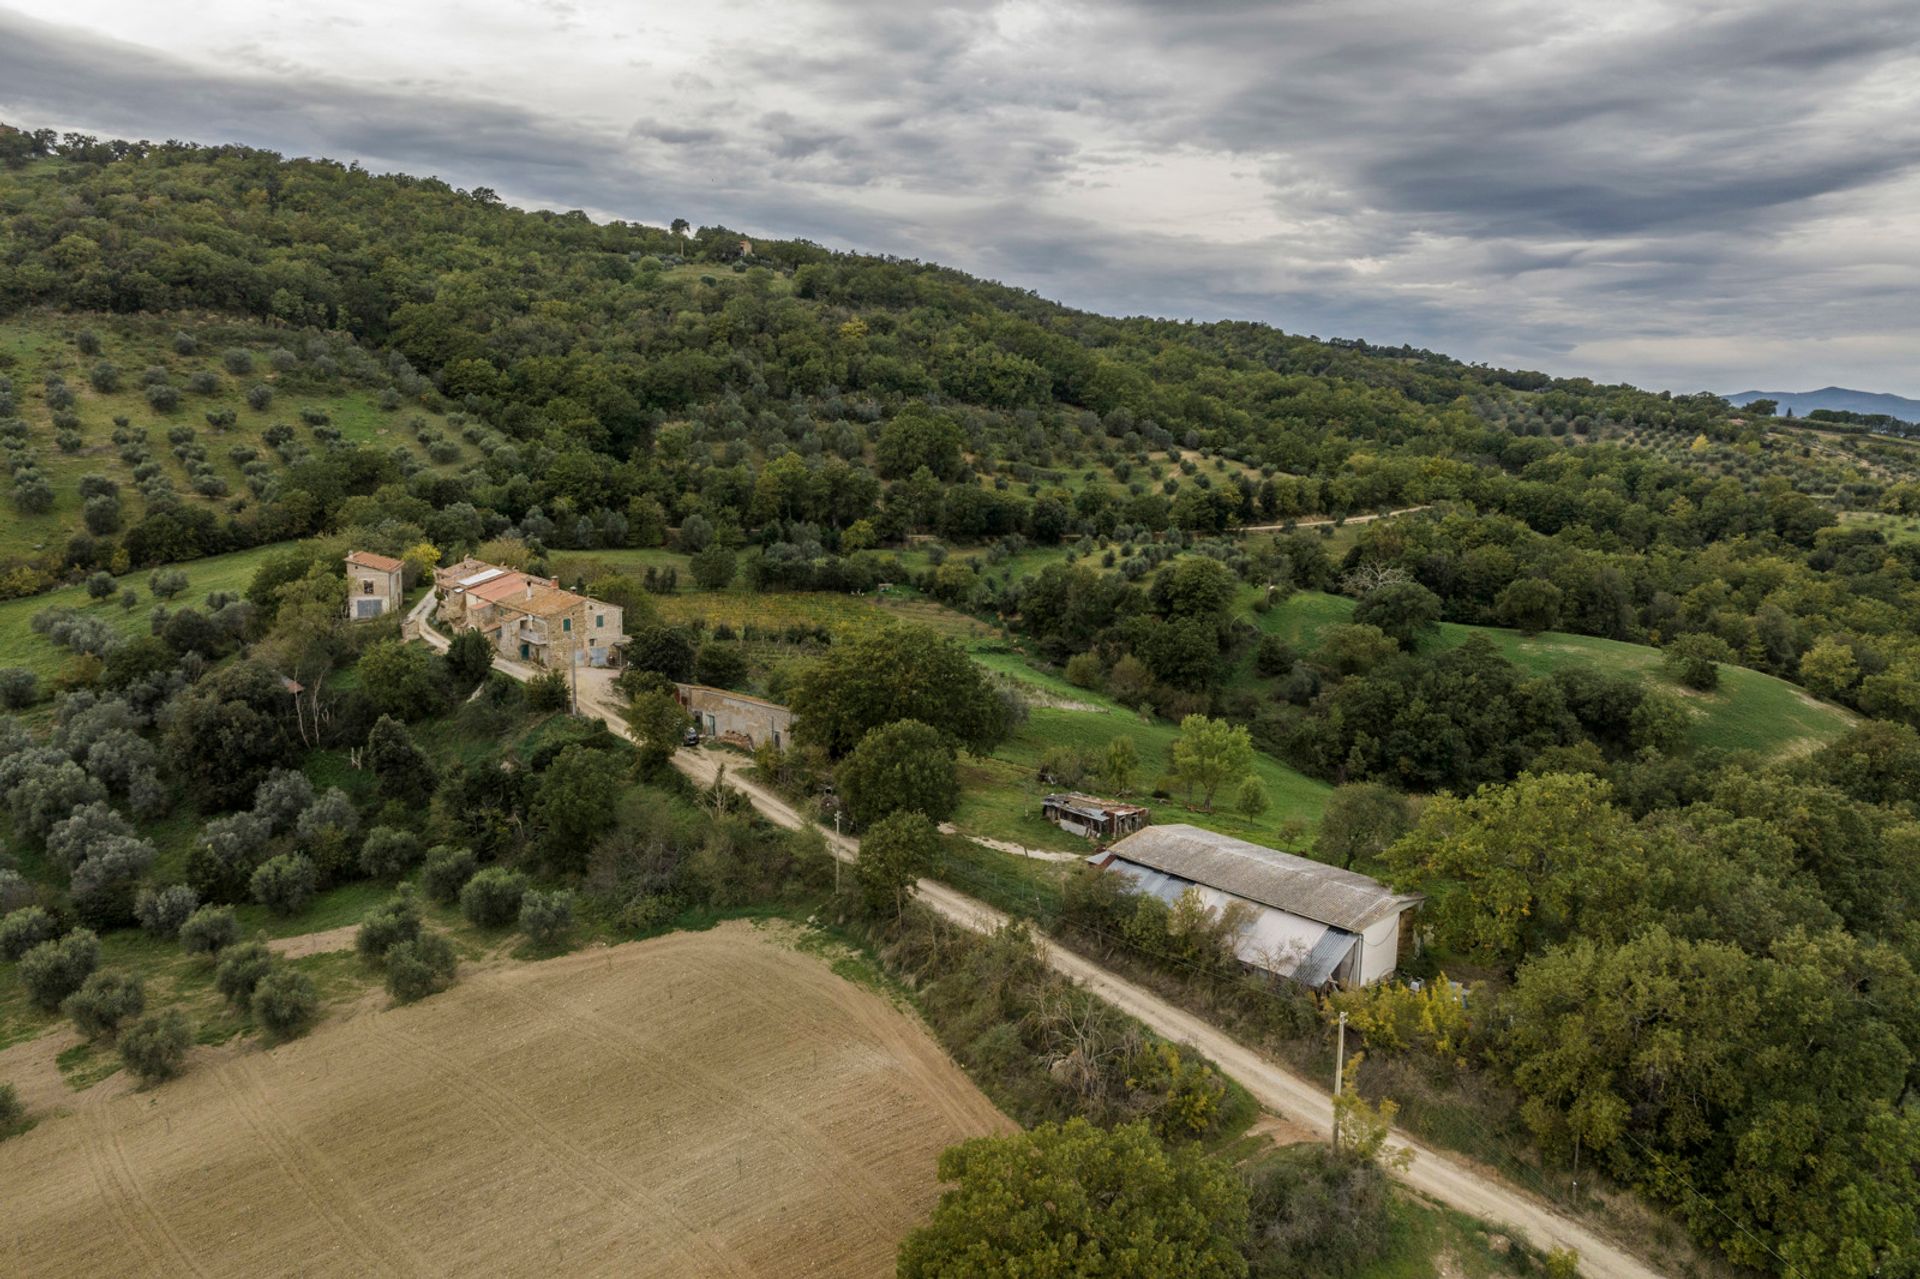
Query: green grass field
1000 795
20 646
1749 711
1895 528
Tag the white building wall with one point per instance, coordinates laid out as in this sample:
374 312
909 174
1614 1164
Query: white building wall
1379 950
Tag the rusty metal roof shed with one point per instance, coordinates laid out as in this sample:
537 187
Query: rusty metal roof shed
1297 885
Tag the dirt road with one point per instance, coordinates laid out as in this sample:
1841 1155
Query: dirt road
1442 1176
1351 519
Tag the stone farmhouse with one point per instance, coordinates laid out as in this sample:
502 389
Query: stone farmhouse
374 588
529 618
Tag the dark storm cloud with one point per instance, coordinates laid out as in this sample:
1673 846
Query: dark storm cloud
1514 181
1511 114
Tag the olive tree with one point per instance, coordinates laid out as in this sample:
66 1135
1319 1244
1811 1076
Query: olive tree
163 911
389 852
103 1001
24 929
282 796
447 871
284 884
155 1047
421 967
55 969
209 930
285 1002
547 918
241 968
492 897
394 922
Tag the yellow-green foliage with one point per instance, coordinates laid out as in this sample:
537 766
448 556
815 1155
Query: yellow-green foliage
1191 1091
1364 1126
1396 1017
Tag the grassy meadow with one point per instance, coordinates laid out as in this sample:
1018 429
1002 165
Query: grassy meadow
20 646
1749 711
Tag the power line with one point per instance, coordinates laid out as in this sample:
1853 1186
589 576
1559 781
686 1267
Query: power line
1739 1225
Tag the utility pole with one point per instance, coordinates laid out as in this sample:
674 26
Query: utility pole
1339 1079
573 677
836 854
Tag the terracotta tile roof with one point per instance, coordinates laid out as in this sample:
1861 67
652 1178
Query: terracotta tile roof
508 588
465 568
367 559
548 601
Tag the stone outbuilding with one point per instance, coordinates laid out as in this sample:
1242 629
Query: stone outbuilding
736 717
374 585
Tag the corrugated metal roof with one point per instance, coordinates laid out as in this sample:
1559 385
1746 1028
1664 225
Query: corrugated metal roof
485 575
1317 968
1088 806
1310 889
1279 941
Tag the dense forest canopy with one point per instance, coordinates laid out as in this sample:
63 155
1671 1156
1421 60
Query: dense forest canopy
1700 963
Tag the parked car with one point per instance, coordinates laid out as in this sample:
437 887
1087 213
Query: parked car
692 737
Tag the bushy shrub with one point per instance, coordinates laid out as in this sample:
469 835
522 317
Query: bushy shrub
24 929
491 898
281 797
389 852
19 688
389 925
547 691
11 1111
284 884
241 968
547 918
285 1002
209 930
162 911
422 967
155 1047
447 871
55 969
103 1001
1316 1213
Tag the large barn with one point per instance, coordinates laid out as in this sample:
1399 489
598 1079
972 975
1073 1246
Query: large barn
1310 922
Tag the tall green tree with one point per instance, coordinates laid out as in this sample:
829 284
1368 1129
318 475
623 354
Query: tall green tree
1210 754
1073 1199
576 802
894 853
1508 869
905 765
890 672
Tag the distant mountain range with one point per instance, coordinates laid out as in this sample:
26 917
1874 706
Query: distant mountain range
1801 403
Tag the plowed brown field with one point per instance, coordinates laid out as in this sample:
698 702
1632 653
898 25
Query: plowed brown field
700 1104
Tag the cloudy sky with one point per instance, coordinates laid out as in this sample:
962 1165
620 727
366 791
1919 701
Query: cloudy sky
1693 195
